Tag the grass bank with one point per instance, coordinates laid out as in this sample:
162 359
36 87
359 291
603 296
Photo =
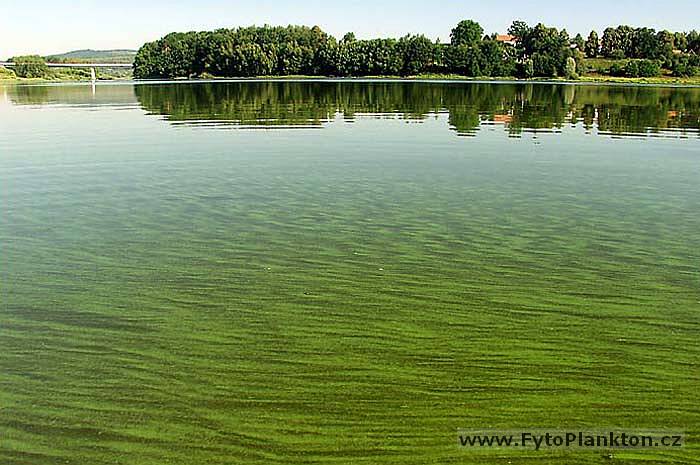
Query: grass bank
10 77
592 78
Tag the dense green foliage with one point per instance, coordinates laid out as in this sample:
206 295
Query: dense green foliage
592 47
543 51
628 42
539 51
467 32
677 51
637 68
300 50
30 66
686 65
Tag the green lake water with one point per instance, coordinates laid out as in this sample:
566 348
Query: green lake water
345 272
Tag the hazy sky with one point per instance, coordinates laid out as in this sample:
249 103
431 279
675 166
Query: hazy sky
53 26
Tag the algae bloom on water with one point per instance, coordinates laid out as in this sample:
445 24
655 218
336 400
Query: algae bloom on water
344 272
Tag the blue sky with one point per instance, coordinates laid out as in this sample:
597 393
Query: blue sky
52 26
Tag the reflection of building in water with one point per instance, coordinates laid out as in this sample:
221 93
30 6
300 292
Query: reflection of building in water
502 118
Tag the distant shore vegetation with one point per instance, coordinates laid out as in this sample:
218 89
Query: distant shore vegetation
35 67
524 52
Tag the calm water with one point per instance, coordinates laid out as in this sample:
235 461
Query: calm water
327 272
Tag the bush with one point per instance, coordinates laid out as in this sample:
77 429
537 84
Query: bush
545 65
636 68
617 70
686 65
30 66
649 68
581 67
632 69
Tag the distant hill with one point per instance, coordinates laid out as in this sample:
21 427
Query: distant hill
101 56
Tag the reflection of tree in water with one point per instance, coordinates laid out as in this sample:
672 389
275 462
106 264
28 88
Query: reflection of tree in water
72 94
518 107
637 109
29 95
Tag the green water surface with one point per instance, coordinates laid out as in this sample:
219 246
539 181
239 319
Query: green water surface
345 272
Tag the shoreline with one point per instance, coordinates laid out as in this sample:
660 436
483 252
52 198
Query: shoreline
586 80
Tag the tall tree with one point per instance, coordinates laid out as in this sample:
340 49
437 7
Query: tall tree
645 44
693 39
467 32
680 41
519 29
592 47
418 54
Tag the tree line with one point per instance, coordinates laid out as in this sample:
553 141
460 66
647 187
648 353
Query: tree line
299 50
532 51
676 51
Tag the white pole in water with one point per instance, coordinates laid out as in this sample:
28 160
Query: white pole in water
93 78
